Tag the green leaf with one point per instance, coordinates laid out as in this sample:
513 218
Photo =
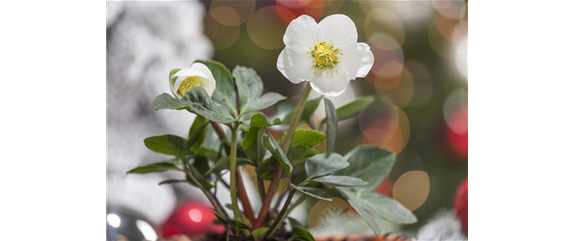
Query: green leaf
301 234
369 163
310 108
300 154
321 165
166 101
200 103
156 167
170 181
253 144
258 233
223 164
225 87
354 107
294 222
264 101
332 123
285 110
167 144
307 137
340 181
249 85
367 203
267 168
313 192
197 133
258 119
277 152
199 176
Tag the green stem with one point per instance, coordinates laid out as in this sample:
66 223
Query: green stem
286 214
233 172
279 169
216 205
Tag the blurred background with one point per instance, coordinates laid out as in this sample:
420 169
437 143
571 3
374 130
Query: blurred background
419 79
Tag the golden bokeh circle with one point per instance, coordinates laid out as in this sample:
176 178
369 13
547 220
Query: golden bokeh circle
321 208
221 36
243 9
412 189
225 15
266 28
384 29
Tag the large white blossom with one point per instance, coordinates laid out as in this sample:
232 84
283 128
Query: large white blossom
325 54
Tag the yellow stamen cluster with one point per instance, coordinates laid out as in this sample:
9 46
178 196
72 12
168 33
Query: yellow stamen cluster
188 83
325 55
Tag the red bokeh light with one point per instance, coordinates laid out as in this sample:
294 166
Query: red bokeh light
191 219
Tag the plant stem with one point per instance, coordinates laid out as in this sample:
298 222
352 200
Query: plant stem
280 218
214 202
278 168
233 172
240 187
244 198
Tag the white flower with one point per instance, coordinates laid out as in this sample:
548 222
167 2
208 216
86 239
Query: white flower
326 54
198 75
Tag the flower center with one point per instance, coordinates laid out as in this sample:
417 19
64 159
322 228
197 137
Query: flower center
325 55
188 83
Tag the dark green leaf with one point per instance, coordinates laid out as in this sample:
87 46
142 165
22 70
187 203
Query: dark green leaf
200 103
199 176
258 119
223 164
313 192
300 154
197 133
166 101
225 87
253 144
321 165
156 167
249 86
167 144
354 107
285 110
258 233
340 181
307 137
367 203
369 163
332 123
266 100
266 169
277 152
301 234
294 223
171 181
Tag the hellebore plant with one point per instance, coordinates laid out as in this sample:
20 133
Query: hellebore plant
326 55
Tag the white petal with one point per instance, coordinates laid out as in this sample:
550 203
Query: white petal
175 86
295 67
330 83
207 82
340 29
300 34
357 60
189 72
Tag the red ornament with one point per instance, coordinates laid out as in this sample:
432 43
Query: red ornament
459 141
191 219
461 204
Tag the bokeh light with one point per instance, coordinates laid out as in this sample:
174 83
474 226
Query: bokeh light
391 131
400 94
242 9
387 68
422 80
384 29
266 28
222 36
319 212
461 58
225 15
412 189
450 9
456 111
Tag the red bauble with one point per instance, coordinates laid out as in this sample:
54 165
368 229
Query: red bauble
461 204
191 219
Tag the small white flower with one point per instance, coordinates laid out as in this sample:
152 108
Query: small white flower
326 54
198 75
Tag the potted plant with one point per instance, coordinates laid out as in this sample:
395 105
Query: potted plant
228 105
